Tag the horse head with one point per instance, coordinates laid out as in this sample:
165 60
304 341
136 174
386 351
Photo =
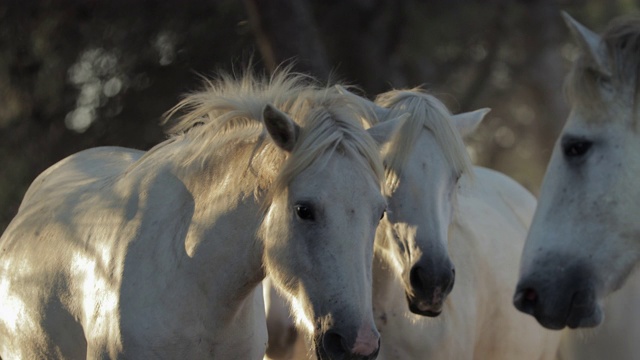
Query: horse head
583 242
320 222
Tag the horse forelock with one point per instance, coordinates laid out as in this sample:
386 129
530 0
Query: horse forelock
621 40
427 113
330 123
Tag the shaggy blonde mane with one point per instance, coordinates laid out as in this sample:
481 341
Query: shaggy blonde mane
427 113
228 114
622 42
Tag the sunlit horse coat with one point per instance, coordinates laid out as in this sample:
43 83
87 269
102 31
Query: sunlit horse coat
118 253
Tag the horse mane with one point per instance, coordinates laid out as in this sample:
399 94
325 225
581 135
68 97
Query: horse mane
427 112
621 39
228 111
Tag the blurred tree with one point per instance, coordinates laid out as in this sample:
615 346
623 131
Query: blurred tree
285 30
77 74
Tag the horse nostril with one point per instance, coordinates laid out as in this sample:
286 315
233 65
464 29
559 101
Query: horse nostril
334 345
452 280
526 300
530 295
442 280
417 278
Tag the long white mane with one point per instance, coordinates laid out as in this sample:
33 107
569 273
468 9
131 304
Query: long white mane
229 111
427 112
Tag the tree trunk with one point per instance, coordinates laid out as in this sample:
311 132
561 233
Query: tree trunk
285 31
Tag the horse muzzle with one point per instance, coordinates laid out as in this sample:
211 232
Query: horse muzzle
560 301
339 344
429 289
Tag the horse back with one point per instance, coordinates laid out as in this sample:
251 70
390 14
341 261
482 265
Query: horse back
95 164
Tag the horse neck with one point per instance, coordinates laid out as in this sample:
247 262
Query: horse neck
229 208
384 271
387 289
223 198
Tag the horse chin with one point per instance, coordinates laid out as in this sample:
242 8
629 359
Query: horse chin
423 307
580 314
574 320
591 321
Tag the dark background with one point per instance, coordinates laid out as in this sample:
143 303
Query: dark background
79 74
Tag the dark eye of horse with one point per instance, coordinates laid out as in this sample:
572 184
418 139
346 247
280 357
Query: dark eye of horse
382 214
304 212
574 148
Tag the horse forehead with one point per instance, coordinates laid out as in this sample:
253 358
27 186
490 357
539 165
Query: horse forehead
427 157
338 176
599 124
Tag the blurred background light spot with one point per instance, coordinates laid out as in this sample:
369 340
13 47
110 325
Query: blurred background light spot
504 137
165 45
89 94
96 76
112 87
478 52
524 114
500 77
570 52
80 119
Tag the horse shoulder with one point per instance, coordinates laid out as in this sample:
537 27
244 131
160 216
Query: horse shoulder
48 254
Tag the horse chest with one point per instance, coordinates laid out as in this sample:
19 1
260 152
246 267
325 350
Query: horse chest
189 326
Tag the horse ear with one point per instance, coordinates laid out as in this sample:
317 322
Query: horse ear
384 131
280 127
590 43
381 112
466 123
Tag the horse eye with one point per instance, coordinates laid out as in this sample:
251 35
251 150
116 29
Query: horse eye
575 148
382 214
304 212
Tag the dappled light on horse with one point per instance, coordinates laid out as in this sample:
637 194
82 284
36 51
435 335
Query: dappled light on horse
122 253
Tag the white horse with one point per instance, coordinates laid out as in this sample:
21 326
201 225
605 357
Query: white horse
585 237
442 205
437 217
117 253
